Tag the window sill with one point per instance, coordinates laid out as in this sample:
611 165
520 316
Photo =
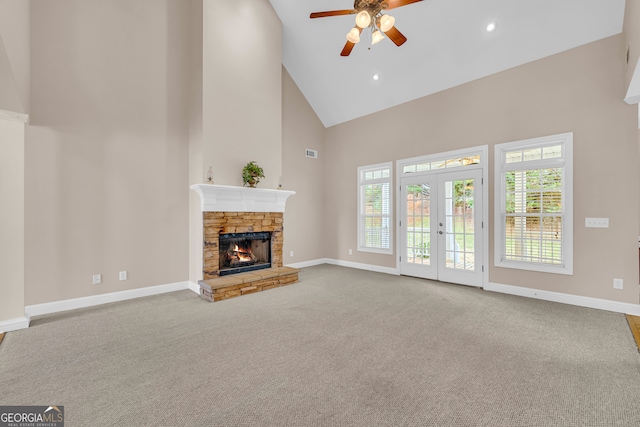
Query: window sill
540 268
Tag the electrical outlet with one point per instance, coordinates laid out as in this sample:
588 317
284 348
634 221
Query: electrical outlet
596 222
122 275
291 253
617 284
97 279
350 252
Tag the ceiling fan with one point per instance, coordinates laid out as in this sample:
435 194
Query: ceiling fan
369 14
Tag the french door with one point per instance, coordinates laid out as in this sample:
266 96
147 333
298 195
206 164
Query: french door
440 227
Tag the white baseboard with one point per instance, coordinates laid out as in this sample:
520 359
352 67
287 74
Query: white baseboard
304 264
194 287
600 304
580 301
14 324
75 303
360 266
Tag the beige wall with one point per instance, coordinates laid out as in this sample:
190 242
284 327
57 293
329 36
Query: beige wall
14 55
239 107
12 224
578 91
304 225
196 160
242 89
106 156
9 95
631 43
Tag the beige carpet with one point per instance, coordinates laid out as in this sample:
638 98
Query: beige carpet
341 348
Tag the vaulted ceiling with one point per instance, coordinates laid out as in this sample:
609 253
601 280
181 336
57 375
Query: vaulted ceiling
447 45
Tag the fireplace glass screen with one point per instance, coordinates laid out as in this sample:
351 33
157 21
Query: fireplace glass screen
241 252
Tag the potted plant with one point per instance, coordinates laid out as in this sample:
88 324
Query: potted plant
251 174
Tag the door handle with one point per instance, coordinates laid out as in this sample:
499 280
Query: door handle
439 232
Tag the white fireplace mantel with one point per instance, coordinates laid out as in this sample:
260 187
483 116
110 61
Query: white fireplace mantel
226 198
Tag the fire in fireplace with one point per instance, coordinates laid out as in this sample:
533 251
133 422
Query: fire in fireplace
242 252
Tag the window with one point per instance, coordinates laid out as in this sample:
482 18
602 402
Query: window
534 204
436 165
374 208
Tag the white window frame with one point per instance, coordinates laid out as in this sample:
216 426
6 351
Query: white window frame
501 167
361 214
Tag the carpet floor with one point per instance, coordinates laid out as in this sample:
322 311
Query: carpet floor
343 347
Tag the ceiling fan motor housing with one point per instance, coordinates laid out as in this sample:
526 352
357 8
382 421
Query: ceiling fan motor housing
374 7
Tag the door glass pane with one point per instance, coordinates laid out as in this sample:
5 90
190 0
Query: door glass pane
459 225
418 222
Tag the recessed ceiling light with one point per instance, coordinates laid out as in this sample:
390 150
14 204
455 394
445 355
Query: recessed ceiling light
491 27
376 77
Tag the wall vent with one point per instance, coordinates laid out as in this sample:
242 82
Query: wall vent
311 153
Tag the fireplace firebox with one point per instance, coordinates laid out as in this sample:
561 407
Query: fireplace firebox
242 252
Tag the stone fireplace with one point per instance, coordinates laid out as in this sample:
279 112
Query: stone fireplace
243 240
225 224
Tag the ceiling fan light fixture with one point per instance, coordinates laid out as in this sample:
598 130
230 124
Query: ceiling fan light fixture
369 13
363 19
386 22
376 37
354 35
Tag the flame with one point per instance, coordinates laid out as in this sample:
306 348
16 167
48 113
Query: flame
242 256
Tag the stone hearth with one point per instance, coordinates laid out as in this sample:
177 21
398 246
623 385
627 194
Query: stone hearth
247 283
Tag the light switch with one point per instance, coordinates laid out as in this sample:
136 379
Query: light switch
596 222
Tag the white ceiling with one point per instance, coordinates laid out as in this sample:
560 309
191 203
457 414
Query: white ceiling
447 46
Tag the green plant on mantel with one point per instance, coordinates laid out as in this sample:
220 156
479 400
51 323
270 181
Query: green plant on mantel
251 174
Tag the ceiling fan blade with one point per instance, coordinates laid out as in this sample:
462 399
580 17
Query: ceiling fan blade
332 13
397 3
346 50
396 36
